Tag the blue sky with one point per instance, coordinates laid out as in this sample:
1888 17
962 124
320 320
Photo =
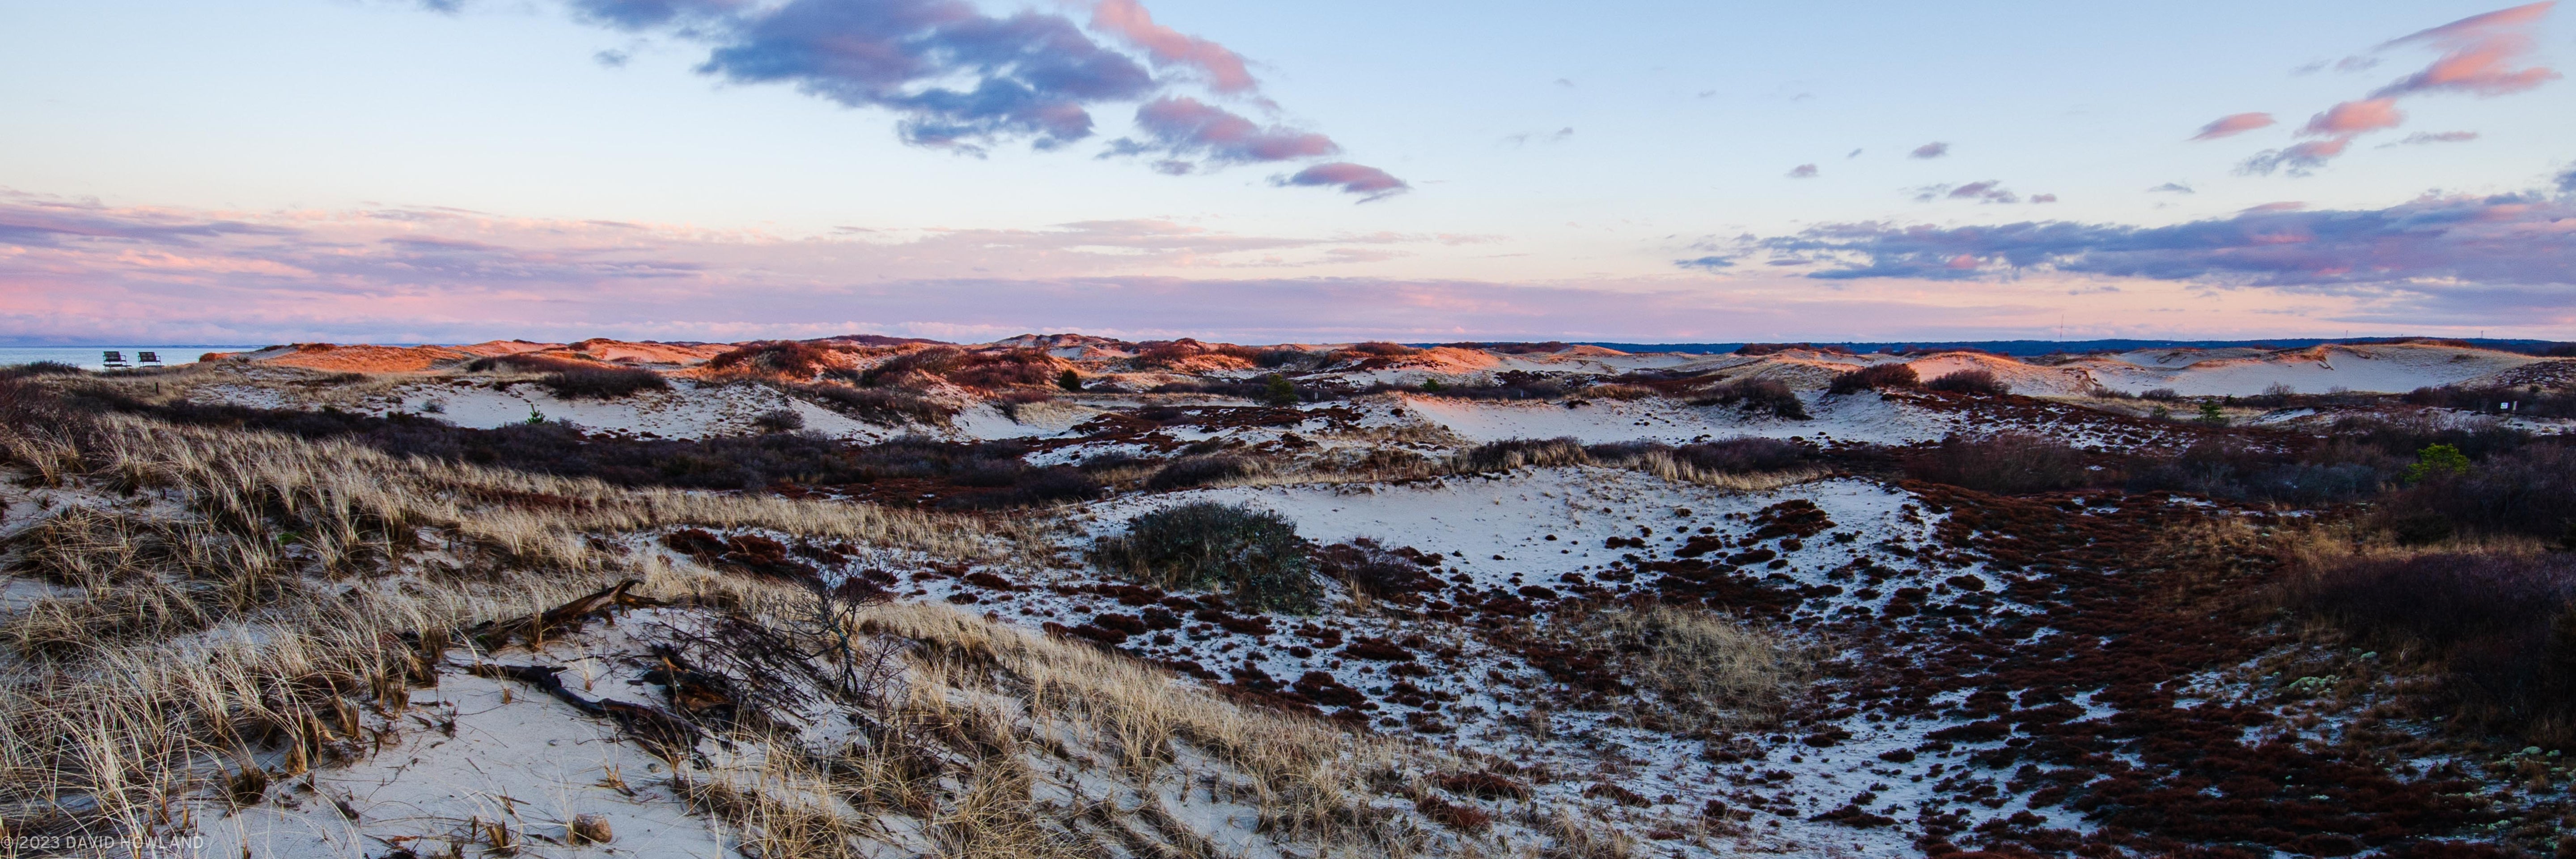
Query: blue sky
1558 163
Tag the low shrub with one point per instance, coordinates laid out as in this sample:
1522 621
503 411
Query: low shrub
39 368
1506 385
1757 395
2500 628
1114 461
1013 368
1619 392
790 358
1745 455
1276 390
1165 354
2529 491
1024 398
2161 395
779 420
1374 349
1055 483
1256 554
602 383
1510 454
932 361
2234 469
878 405
1875 377
2533 400
2002 463
2407 436
1285 358
1372 569
1969 382
1192 471
528 363
1250 390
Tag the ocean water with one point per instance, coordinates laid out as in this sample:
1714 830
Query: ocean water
94 357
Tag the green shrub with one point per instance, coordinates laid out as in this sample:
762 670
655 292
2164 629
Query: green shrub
1068 380
1276 390
1254 553
2437 461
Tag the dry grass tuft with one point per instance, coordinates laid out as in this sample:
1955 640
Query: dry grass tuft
1707 671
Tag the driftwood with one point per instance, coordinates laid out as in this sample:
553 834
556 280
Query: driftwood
536 628
667 734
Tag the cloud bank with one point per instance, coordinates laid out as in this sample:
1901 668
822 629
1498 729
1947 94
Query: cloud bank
76 272
2471 243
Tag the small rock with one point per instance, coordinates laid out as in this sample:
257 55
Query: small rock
590 829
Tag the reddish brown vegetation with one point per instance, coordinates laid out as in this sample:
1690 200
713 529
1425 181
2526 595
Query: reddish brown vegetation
1876 377
1482 785
2009 462
2140 615
1969 382
790 358
748 553
1169 353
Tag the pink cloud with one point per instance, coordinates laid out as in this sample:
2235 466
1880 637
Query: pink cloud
1351 178
1187 126
2479 56
1803 171
1168 47
2477 53
2354 117
2232 124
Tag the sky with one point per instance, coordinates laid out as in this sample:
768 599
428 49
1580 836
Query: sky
461 170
